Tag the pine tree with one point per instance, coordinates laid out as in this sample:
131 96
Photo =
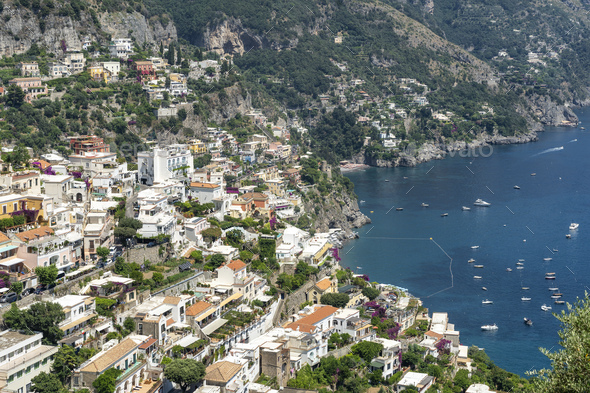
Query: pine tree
178 56
170 54
161 49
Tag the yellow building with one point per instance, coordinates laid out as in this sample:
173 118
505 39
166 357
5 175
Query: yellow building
196 146
99 73
320 288
15 202
276 186
10 204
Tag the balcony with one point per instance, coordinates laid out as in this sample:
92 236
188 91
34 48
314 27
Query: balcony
130 370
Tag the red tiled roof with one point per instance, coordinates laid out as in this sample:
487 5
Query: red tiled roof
204 185
148 343
197 308
3 238
236 265
313 318
34 233
324 284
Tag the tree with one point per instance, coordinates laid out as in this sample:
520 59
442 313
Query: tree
45 317
215 261
65 361
125 232
170 54
15 96
17 287
46 383
339 300
46 275
129 324
128 222
19 156
462 379
570 364
14 318
158 277
371 293
367 350
105 383
185 372
197 255
103 252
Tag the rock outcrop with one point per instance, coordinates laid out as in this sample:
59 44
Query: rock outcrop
551 113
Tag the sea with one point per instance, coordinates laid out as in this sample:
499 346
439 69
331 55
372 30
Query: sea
418 249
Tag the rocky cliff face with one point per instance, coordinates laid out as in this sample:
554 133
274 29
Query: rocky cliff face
551 113
229 37
338 210
20 28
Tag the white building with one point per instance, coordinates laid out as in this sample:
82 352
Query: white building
205 192
155 221
22 357
114 67
121 48
161 164
78 310
420 381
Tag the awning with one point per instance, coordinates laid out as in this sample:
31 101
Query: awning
206 314
77 322
213 326
231 298
11 262
186 341
81 270
377 364
7 248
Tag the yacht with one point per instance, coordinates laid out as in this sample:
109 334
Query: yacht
484 288
549 277
444 214
481 202
525 288
519 263
471 260
574 226
545 307
516 187
525 299
508 270
556 296
477 277
399 209
478 266
520 267
474 247
533 174
487 301
465 208
550 274
528 322
386 180
521 260
554 289
547 259
489 327
362 201
425 205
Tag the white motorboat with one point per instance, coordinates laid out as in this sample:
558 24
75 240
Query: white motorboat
489 327
533 174
444 214
386 180
568 236
521 260
519 263
477 277
555 250
545 307
478 266
559 302
471 260
556 296
465 208
399 209
487 301
508 270
362 201
516 187
481 202
520 267
525 299
525 288
474 247
547 259
484 288
425 205
554 289
574 226
528 322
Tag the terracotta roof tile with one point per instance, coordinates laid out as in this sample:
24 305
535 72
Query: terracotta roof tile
316 316
148 343
197 308
430 333
222 371
236 265
204 185
111 356
302 327
169 322
172 300
324 284
3 238
34 233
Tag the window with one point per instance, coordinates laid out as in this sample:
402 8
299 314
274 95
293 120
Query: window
131 295
14 206
4 209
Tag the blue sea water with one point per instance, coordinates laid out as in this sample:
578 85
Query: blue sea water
529 223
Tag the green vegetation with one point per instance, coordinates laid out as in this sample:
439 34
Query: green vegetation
339 300
41 317
185 372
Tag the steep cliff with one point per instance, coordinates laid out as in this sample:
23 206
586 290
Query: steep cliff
21 27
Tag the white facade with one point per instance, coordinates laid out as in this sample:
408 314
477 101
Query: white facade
121 47
114 67
161 164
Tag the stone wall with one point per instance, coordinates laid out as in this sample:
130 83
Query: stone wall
186 284
140 255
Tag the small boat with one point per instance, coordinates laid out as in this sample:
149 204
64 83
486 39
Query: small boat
521 260
358 267
568 236
519 263
533 174
465 208
484 288
558 294
555 250
554 289
555 296
474 247
444 214
482 203
487 301
471 260
508 270
489 327
425 205
550 274
362 201
574 226
525 288
582 128
516 187
477 277
528 322
547 259
405 177
545 307
478 266
559 302
549 277
386 180
520 267
525 299
399 209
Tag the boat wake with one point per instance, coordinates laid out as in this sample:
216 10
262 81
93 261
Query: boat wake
549 150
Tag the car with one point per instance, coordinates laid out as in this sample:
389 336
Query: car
28 291
9 297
